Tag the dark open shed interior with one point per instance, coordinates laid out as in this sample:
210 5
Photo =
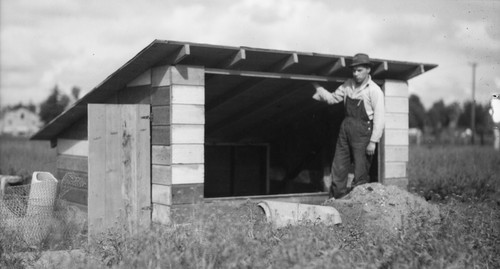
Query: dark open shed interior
267 136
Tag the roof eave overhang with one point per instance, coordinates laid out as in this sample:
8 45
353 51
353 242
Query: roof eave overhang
163 52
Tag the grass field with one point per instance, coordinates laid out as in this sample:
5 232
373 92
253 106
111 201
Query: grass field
463 181
20 156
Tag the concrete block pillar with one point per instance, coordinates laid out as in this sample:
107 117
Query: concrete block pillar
395 139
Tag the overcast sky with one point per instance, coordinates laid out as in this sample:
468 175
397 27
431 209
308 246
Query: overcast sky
81 42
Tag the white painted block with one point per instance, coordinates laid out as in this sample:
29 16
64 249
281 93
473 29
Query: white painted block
141 80
396 153
395 170
188 94
396 137
161 194
161 214
396 121
188 154
187 75
73 147
188 114
187 134
188 173
395 88
396 104
160 76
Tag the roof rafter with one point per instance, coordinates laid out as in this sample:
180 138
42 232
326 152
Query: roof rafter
236 59
285 63
416 71
179 55
246 86
333 67
382 67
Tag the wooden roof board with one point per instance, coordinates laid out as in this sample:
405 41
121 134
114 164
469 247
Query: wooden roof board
162 52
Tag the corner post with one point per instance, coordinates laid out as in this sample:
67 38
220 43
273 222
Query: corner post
395 149
178 137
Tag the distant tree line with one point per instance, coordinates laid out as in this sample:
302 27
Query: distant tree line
441 118
56 103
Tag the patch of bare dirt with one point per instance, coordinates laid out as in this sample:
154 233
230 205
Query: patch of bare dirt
383 211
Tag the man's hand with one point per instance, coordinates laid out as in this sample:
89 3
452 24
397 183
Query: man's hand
370 149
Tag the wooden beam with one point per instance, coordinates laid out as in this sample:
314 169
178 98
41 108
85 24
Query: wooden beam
416 71
236 59
333 67
382 67
272 75
179 55
286 63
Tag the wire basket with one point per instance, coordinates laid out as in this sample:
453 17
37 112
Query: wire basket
36 214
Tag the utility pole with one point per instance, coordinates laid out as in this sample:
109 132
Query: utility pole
473 104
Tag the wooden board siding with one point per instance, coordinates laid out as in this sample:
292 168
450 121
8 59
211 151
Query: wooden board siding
395 139
161 214
396 153
160 96
135 95
161 194
96 199
77 131
72 147
72 163
119 167
176 95
187 194
161 174
178 154
141 80
177 137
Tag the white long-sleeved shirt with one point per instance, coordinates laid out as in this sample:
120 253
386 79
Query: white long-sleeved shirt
369 92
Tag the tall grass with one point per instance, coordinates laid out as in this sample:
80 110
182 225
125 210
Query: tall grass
462 181
20 156
466 172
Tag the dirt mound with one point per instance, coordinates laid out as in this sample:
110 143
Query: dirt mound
383 210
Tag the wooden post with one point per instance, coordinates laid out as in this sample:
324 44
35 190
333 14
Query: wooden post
178 100
395 140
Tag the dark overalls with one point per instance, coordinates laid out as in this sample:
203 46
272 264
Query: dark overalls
354 137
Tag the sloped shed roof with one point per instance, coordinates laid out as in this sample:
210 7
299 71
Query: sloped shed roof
233 73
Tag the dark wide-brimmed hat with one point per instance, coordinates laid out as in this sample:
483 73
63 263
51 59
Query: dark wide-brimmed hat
360 59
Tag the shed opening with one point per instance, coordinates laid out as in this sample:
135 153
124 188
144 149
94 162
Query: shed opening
268 136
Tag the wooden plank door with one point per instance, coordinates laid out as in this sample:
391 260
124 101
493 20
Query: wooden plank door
119 167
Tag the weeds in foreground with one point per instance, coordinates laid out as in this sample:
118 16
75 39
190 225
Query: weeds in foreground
463 181
466 237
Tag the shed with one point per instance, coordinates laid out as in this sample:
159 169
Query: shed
183 123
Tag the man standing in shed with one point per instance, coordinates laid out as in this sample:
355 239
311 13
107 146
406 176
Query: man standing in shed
362 127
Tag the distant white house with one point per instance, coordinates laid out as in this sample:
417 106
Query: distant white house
19 122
